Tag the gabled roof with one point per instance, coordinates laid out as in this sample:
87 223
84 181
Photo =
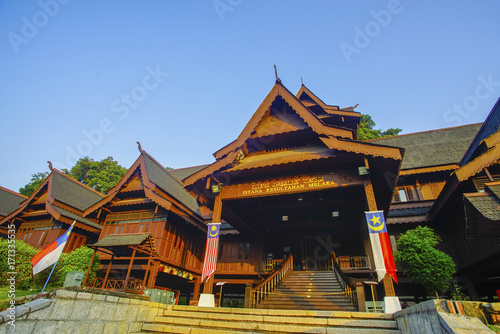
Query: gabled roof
485 154
307 97
123 244
155 179
280 91
432 148
182 173
9 201
64 189
489 127
333 137
71 192
482 212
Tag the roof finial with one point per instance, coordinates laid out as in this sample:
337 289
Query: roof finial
50 166
139 145
276 74
301 81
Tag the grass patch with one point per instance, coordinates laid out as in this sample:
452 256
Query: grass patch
4 295
494 328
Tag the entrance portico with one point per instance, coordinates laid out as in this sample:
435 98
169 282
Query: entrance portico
296 182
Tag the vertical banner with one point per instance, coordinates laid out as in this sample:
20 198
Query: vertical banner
211 250
381 246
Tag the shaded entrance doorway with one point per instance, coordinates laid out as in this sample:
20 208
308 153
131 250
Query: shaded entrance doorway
315 252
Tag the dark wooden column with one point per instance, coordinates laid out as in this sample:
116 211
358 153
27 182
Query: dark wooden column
143 285
216 217
153 274
372 206
196 291
86 278
107 272
129 270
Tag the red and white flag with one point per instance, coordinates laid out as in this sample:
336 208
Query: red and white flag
50 254
381 246
211 250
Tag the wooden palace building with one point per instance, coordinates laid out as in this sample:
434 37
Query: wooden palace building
290 193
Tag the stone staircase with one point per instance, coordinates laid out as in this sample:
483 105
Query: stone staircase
208 320
309 290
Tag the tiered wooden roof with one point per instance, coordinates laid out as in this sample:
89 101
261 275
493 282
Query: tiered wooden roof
149 182
482 212
9 201
287 130
60 197
483 152
432 151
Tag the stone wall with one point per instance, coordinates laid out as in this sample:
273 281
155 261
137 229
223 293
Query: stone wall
80 312
441 316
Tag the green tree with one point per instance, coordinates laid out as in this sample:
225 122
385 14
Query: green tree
77 260
366 129
22 254
36 180
418 258
99 175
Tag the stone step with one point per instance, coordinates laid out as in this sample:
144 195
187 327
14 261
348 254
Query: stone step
291 306
193 320
310 299
311 290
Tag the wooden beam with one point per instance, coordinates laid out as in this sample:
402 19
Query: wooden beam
129 270
107 272
144 280
85 279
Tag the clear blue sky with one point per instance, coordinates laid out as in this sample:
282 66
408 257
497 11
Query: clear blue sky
184 77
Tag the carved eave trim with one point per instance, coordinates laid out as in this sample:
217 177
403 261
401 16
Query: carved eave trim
54 213
157 199
492 140
282 158
428 169
28 201
311 120
363 148
331 110
485 160
215 167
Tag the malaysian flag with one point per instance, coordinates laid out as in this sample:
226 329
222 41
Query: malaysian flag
210 261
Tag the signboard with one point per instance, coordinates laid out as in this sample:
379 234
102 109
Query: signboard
279 186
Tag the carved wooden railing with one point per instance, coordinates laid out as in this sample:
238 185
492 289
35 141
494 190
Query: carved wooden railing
261 291
348 287
353 262
133 285
270 265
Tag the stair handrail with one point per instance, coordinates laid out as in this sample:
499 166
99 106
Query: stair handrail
264 288
348 287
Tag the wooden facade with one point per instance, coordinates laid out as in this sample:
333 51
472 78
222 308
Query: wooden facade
296 182
293 185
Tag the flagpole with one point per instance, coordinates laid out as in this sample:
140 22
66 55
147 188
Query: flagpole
48 278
